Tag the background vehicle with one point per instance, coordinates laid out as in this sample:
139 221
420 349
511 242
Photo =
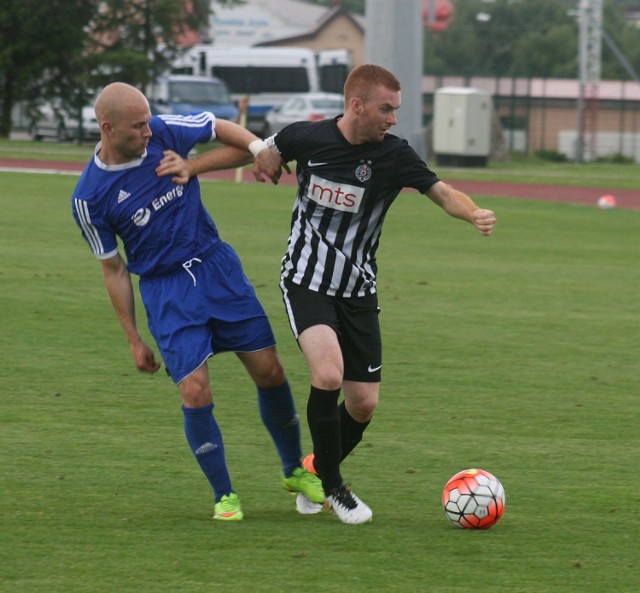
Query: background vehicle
307 107
267 76
54 121
334 66
180 95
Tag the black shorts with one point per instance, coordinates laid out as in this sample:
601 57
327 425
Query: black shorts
355 321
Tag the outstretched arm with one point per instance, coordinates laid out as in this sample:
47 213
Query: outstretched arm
460 205
117 281
241 147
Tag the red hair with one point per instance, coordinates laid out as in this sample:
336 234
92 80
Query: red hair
364 78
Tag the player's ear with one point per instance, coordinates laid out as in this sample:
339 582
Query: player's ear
106 126
356 105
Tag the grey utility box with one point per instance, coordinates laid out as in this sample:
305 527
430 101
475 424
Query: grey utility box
461 127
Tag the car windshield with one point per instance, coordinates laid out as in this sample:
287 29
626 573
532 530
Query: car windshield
199 92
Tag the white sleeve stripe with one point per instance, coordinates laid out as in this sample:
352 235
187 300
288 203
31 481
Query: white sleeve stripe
88 229
188 121
202 116
112 253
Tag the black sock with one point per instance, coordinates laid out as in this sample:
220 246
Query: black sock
351 431
324 424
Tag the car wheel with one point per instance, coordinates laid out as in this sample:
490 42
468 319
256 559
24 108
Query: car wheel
61 135
34 134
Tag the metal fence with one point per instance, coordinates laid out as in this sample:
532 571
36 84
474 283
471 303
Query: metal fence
540 114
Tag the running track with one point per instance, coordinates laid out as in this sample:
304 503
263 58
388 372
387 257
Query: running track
626 198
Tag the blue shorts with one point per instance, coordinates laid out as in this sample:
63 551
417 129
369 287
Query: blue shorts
205 308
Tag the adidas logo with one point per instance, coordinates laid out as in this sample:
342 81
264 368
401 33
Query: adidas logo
206 448
123 195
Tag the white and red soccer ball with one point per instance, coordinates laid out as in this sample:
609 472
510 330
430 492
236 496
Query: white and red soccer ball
606 202
473 499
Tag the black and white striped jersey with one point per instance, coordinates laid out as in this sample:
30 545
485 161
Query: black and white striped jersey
344 193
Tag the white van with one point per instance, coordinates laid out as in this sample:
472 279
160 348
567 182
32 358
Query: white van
266 76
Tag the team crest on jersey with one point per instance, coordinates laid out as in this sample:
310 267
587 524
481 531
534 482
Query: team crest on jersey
141 216
363 171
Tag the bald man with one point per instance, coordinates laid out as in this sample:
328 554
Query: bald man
197 299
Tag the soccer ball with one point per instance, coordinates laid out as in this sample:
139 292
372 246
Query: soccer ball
606 202
473 499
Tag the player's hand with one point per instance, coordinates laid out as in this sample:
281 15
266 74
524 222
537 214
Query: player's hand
269 165
484 221
144 358
173 164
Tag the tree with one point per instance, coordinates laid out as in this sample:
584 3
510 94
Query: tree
626 37
70 48
505 38
40 41
560 62
135 40
524 38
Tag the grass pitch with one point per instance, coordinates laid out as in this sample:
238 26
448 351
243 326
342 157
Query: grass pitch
516 353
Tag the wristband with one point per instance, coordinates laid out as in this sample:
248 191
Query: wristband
256 146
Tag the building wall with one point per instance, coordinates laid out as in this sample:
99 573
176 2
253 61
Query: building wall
258 21
543 114
340 33
609 129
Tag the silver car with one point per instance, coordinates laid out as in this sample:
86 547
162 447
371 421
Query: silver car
55 122
303 107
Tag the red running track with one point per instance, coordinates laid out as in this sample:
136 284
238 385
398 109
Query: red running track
625 198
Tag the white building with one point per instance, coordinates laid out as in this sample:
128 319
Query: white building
259 21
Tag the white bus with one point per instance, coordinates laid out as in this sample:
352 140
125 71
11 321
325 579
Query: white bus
334 66
267 76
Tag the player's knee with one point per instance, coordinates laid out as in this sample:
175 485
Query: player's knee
195 392
363 411
275 377
196 398
328 378
270 375
361 404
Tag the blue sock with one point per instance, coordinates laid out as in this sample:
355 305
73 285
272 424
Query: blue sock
205 439
278 412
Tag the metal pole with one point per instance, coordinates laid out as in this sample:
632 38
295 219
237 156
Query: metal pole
582 76
589 60
394 40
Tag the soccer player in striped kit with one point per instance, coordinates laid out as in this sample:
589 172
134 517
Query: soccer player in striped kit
198 301
349 172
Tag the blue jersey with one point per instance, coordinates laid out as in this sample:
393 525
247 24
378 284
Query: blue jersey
161 224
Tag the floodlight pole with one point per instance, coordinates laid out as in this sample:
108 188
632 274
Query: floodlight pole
393 40
589 65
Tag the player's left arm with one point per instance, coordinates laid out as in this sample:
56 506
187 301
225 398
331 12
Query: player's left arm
117 281
240 148
460 205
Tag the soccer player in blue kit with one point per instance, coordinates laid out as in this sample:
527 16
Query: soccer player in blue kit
197 299
349 172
